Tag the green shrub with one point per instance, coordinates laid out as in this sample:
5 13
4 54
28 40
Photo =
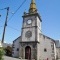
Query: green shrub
1 53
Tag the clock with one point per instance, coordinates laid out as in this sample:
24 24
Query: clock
29 21
28 34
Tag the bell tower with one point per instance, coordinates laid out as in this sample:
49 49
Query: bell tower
31 24
31 29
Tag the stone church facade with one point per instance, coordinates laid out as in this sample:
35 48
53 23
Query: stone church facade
32 44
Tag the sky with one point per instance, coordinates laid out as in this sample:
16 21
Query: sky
49 11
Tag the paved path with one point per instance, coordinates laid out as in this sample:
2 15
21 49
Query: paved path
10 58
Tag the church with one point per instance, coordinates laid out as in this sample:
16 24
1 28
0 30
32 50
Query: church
32 44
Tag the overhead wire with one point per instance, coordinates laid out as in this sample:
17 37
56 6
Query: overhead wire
13 28
14 14
3 8
1 26
1 21
17 10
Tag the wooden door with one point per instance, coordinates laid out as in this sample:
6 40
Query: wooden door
27 52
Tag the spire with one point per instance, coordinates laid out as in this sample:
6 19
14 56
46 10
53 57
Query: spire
32 8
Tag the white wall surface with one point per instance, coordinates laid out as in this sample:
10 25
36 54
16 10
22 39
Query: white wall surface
45 42
16 45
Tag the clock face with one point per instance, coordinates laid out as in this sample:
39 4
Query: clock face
29 21
28 34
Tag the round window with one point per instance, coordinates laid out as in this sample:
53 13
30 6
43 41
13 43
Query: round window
28 34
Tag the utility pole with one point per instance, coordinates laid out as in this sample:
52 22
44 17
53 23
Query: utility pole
5 25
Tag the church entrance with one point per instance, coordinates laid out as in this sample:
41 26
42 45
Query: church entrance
27 52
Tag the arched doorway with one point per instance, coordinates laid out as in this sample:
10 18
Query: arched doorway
27 52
